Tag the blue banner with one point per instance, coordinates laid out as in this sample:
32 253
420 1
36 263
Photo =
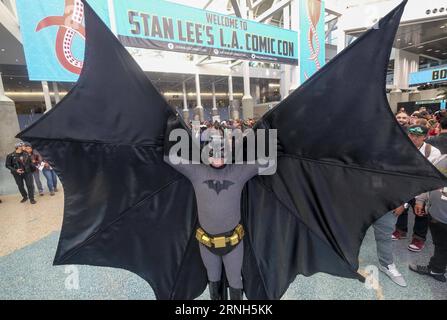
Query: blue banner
429 76
54 37
163 25
312 38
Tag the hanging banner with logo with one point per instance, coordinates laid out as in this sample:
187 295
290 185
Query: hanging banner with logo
429 76
163 25
53 34
54 37
312 38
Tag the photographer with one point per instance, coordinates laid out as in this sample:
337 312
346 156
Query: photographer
21 167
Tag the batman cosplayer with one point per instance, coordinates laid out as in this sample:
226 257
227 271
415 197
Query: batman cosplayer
126 208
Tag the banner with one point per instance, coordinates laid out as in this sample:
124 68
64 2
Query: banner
163 25
53 36
429 76
312 38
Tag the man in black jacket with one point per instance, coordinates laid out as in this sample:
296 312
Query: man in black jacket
21 167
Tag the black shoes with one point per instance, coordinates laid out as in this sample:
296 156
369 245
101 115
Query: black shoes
235 294
215 290
425 270
26 199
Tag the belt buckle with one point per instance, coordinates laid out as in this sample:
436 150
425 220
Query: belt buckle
240 231
234 239
219 242
206 241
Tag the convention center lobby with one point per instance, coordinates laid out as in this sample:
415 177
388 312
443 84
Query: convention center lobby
94 206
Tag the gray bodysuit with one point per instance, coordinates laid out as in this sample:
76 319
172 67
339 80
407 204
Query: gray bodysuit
218 193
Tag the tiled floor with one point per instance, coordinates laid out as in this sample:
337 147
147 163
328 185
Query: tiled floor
29 235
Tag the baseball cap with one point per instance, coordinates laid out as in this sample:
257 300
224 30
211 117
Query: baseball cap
417 130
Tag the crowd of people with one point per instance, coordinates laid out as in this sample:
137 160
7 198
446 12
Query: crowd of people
428 132
229 124
25 165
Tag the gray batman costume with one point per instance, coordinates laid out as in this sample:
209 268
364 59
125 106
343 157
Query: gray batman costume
218 193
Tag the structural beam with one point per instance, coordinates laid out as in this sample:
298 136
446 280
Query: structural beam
46 95
10 22
207 4
236 8
256 3
274 9
203 59
57 98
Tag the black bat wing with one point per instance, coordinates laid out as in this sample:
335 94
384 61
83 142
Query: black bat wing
336 176
124 207
210 184
226 184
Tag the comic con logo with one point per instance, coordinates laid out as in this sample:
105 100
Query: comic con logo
69 25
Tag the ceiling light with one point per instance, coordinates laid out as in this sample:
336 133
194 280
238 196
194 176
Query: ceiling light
398 39
438 51
442 27
3 50
420 47
428 50
410 43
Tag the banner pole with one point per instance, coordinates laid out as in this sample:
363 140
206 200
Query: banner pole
112 17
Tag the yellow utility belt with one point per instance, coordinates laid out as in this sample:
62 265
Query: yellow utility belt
220 242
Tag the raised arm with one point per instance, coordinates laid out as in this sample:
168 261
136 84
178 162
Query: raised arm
171 148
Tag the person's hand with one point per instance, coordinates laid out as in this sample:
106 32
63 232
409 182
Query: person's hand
398 211
419 209
19 171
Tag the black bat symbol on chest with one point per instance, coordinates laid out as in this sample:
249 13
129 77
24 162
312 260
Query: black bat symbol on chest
217 185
